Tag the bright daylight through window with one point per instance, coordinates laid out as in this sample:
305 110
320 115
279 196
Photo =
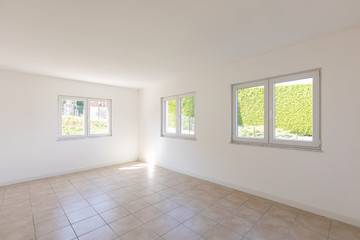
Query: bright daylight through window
178 116
279 111
82 117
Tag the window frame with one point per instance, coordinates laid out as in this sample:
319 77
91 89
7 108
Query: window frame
235 89
163 132
109 102
178 133
269 112
86 113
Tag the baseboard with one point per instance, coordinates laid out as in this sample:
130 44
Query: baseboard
321 212
62 172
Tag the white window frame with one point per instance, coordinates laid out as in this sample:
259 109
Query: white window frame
269 116
108 101
235 111
178 133
86 101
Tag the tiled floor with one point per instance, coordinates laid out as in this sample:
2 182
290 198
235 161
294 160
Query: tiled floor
137 201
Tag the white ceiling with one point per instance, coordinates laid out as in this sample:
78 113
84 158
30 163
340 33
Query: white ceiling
135 43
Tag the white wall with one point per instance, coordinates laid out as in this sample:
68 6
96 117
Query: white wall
325 182
29 124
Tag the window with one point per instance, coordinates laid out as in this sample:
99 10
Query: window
83 117
178 116
279 111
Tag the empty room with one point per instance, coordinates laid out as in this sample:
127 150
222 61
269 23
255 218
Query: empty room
179 120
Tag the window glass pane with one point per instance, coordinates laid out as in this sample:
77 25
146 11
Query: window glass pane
170 116
293 110
99 117
72 117
187 116
250 112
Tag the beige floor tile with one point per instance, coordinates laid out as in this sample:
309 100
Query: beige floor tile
238 197
51 225
227 204
168 192
125 225
105 206
98 199
200 224
140 233
136 205
47 214
196 205
72 207
103 233
283 213
126 198
66 233
181 214
154 198
220 232
166 205
169 205
181 232
258 205
262 233
215 213
249 214
162 224
237 224
88 225
70 199
181 198
274 224
23 224
81 214
314 224
147 214
342 231
298 232
114 214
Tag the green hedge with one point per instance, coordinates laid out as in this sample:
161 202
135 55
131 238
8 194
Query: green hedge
72 125
187 109
293 108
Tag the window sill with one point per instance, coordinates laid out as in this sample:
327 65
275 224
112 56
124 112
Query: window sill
281 146
81 138
192 138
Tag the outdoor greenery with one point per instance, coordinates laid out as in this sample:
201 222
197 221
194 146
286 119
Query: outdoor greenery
187 110
293 109
72 125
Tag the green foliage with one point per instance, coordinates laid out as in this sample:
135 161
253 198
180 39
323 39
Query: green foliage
98 126
187 107
72 125
171 104
293 108
251 106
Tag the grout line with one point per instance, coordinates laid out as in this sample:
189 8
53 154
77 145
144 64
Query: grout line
62 208
292 224
331 221
32 213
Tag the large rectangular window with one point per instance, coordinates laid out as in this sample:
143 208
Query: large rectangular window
279 111
82 117
178 116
